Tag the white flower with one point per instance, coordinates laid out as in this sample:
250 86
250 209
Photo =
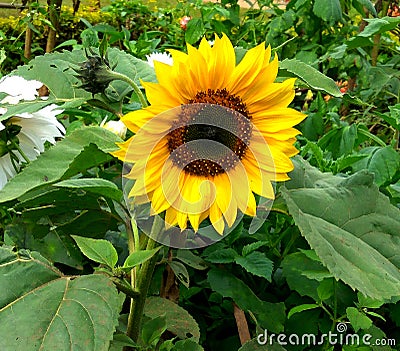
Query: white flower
117 127
37 128
18 88
163 57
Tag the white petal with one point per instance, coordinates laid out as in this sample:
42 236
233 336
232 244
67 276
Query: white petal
163 57
19 88
7 170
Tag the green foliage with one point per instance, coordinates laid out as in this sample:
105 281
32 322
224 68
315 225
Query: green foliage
177 320
327 252
46 308
341 231
81 150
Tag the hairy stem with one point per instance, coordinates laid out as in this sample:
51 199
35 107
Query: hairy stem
135 87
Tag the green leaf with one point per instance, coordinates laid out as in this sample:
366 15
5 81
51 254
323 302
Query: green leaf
93 185
393 118
329 10
153 329
365 301
311 76
41 309
358 319
82 149
269 315
222 256
98 250
379 25
195 30
326 289
139 257
294 266
360 4
121 340
24 107
255 345
339 141
187 345
256 263
301 308
249 248
348 221
190 259
51 243
178 320
383 162
180 272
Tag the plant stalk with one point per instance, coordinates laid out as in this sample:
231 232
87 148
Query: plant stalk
142 283
136 89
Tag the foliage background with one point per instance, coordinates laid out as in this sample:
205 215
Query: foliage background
328 251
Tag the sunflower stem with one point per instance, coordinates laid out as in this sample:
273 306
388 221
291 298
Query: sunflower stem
142 283
135 87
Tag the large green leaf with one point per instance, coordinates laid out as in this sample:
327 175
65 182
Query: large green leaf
41 309
311 76
352 227
328 10
269 315
178 320
82 149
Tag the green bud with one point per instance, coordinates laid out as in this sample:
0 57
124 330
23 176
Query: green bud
95 73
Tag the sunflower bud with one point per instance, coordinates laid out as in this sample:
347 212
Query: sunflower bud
95 74
117 127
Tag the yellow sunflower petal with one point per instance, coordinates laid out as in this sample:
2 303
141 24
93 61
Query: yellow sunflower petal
216 218
171 217
272 121
225 199
278 95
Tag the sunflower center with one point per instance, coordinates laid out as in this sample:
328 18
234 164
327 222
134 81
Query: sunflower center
211 133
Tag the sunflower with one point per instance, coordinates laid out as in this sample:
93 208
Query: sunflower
215 134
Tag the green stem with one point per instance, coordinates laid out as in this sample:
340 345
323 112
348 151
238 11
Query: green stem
135 87
143 280
16 146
